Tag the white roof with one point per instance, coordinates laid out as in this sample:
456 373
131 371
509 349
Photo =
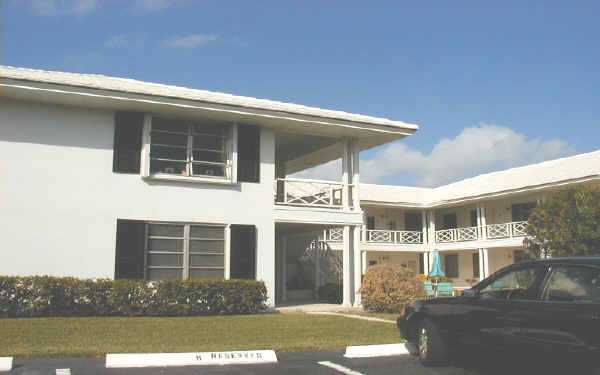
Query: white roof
97 81
542 175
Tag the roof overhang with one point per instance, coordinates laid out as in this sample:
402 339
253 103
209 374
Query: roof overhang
368 134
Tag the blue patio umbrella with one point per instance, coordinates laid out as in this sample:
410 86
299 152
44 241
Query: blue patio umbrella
436 265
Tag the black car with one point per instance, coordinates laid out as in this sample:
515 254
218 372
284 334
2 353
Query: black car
533 307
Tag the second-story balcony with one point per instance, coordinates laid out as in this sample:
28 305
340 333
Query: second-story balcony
312 193
406 237
491 231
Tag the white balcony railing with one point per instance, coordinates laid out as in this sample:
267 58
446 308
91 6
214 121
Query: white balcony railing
334 235
506 230
492 231
457 234
379 236
393 236
314 193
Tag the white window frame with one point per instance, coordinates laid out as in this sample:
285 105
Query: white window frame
186 253
230 167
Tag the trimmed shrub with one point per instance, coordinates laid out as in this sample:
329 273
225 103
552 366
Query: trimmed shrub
45 296
389 287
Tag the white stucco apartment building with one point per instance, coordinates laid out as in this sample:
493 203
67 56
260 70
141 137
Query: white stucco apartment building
117 178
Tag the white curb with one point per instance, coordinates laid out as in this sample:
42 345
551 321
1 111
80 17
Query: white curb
6 363
375 350
189 359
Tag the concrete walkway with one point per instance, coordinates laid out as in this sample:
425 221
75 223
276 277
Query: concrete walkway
352 316
329 309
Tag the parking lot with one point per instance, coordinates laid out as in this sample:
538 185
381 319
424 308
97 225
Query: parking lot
325 362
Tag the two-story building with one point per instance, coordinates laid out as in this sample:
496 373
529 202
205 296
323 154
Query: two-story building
110 177
115 178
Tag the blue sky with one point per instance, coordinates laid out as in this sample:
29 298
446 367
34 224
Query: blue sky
492 85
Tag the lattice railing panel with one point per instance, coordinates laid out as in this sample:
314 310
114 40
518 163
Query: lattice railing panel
410 237
336 235
446 235
309 193
467 234
498 230
379 236
519 228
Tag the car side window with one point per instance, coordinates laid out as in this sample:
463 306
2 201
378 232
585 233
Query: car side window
573 284
514 285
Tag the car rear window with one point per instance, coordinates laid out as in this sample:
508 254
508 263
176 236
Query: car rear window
573 284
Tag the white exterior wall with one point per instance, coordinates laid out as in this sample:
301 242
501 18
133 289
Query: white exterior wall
500 210
383 217
389 257
61 200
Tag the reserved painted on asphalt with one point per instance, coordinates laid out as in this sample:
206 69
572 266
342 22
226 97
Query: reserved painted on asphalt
189 359
6 363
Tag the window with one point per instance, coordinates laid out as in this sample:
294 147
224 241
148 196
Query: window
413 221
516 284
451 265
371 222
393 225
473 218
181 251
476 265
573 284
189 149
521 211
450 221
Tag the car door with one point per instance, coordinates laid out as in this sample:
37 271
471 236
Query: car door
492 317
567 317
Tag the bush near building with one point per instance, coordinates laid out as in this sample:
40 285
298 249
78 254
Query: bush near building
46 296
389 287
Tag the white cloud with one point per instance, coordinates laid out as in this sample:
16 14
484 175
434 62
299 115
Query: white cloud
475 150
128 41
63 7
193 40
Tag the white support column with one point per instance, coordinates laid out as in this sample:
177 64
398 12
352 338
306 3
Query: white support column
424 226
347 271
283 268
346 174
431 229
364 261
483 220
426 262
357 264
355 175
317 271
484 266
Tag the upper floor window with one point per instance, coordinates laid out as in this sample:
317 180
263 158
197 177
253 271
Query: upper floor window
521 211
190 149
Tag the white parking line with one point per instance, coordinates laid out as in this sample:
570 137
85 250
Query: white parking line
63 371
340 368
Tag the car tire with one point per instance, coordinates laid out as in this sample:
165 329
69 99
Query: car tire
430 346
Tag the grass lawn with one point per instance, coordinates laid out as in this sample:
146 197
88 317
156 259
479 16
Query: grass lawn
94 337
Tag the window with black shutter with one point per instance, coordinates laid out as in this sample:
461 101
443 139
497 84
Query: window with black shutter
248 167
243 252
129 257
128 142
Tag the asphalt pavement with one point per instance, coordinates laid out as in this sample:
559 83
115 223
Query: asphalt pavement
325 362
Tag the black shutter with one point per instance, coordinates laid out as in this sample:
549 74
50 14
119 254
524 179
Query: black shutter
129 257
128 142
243 252
248 168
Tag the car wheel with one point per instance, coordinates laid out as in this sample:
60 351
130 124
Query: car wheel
431 348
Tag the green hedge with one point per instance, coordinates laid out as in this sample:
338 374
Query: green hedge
67 296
